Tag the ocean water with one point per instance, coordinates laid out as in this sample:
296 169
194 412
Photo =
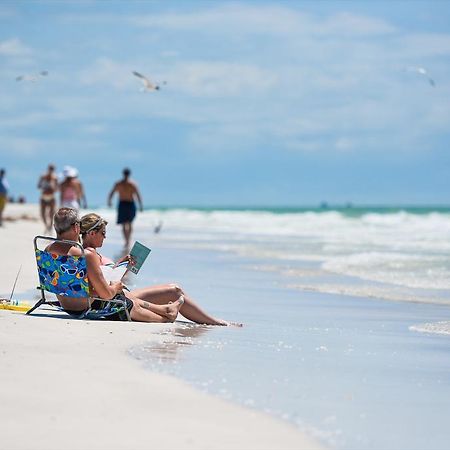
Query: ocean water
389 253
346 314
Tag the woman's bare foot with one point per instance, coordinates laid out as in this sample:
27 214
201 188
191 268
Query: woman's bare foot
230 324
172 309
225 323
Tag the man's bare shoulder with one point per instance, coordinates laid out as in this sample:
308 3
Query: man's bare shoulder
126 186
126 183
62 249
75 251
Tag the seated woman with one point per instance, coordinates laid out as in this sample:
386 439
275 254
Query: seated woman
67 226
150 304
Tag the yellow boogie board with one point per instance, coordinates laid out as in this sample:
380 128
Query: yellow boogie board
23 307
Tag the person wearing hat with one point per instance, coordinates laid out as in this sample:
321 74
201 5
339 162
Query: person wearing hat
71 190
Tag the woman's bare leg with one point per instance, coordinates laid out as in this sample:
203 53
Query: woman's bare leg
43 216
51 213
126 229
168 310
166 293
142 311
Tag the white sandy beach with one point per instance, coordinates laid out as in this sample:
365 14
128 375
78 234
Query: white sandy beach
70 384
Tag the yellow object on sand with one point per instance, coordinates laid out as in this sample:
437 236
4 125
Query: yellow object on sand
23 307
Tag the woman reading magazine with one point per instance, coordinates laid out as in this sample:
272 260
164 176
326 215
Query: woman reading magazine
163 302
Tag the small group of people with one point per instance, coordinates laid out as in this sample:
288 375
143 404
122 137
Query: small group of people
70 189
160 303
72 196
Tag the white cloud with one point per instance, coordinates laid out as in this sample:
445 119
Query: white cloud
107 72
264 19
170 54
347 24
303 81
221 79
94 128
22 147
419 46
226 138
25 119
14 47
344 144
198 78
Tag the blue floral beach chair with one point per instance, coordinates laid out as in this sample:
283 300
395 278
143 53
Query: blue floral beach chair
66 275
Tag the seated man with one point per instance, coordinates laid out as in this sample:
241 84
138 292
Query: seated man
67 226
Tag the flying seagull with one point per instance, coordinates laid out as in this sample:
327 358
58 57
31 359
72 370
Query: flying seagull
422 71
148 85
32 78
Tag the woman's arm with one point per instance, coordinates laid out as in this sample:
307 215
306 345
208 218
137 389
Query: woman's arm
55 183
97 280
127 258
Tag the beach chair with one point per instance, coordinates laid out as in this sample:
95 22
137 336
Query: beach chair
66 275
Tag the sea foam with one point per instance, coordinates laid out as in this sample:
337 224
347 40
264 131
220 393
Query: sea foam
399 248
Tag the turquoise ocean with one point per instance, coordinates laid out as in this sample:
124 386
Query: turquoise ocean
395 253
346 315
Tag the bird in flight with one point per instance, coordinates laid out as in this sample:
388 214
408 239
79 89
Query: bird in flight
421 71
147 84
33 77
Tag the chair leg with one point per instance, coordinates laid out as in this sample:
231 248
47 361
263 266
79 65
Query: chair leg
39 303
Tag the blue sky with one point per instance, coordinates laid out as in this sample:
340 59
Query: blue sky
266 103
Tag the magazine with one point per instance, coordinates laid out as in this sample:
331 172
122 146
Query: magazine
113 273
139 254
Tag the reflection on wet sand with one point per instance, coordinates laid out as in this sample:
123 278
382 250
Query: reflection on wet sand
185 334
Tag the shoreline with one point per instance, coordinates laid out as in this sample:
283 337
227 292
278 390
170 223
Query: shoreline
62 375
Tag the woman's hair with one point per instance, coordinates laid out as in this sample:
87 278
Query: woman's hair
91 222
64 218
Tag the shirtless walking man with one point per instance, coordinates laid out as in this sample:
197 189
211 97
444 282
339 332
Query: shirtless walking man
48 184
126 210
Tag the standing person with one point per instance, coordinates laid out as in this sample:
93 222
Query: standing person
48 184
71 190
4 187
126 210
